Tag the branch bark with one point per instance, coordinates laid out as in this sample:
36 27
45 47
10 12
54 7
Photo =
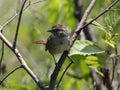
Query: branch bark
22 61
18 24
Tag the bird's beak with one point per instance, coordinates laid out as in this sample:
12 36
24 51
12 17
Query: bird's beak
51 30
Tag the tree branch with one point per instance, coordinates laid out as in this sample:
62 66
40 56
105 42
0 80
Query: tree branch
1 81
79 28
22 61
2 55
15 15
29 4
106 78
81 23
7 22
18 24
15 50
57 70
64 73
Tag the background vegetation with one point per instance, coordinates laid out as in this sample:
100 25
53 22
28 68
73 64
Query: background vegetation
36 20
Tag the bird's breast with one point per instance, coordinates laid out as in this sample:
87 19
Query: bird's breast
58 45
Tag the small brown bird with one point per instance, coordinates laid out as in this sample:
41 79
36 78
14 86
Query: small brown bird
58 41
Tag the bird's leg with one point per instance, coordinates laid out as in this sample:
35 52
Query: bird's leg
54 59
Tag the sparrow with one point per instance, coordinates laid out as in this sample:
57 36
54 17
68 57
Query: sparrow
58 41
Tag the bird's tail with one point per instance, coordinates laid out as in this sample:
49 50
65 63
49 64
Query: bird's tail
40 42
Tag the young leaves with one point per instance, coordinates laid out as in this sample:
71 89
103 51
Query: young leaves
85 47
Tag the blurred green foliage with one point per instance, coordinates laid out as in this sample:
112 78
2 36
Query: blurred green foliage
36 20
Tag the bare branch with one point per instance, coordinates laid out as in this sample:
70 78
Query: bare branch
19 20
71 62
75 76
15 50
1 81
57 70
2 55
15 15
18 24
33 3
1 29
22 61
8 21
106 78
81 23
64 73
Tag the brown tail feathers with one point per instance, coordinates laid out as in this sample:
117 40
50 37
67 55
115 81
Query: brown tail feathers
40 42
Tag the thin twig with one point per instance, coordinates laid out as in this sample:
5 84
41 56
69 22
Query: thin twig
75 76
15 15
19 21
37 2
18 24
64 74
29 4
1 81
8 21
2 55
71 59
1 29
99 15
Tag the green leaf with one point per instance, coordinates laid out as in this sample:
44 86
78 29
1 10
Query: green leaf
110 44
100 73
85 47
92 62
